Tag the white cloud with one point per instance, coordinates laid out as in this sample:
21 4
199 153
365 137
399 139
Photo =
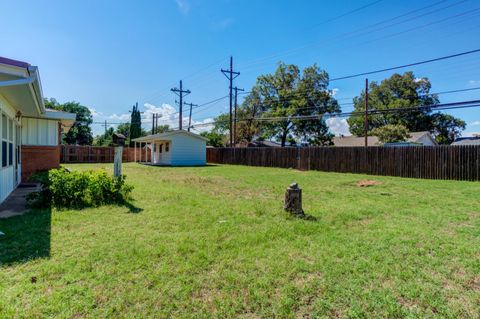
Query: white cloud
94 112
338 126
183 6
170 116
474 82
334 92
420 80
224 24
475 123
120 117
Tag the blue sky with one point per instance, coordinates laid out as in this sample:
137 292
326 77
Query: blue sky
110 54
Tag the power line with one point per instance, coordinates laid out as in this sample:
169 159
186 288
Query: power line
161 93
358 32
190 117
235 117
347 13
230 75
437 107
181 93
406 65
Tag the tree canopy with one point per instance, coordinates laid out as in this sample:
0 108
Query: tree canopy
80 133
284 95
406 92
135 124
391 133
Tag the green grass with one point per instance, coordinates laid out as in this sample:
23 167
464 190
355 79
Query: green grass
215 242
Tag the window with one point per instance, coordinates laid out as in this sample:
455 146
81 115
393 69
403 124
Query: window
167 147
161 148
10 130
10 153
4 154
17 142
4 127
4 138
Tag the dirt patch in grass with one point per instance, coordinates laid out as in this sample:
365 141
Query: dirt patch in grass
368 183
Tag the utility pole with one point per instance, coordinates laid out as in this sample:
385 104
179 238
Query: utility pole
156 122
153 123
231 75
366 113
105 125
181 93
190 117
235 117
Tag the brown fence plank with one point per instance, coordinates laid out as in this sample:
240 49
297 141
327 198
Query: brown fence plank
429 162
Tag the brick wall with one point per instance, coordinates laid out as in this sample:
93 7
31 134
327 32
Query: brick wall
39 158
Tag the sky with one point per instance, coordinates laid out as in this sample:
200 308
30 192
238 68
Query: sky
109 55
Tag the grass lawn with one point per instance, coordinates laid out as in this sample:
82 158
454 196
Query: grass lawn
215 242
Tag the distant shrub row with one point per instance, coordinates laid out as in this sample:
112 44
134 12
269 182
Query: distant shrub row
62 188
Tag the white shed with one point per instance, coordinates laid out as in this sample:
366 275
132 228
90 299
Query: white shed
175 148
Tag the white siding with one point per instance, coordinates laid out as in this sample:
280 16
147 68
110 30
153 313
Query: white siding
163 158
39 132
188 150
426 141
8 180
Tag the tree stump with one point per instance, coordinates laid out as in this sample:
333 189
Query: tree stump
293 200
117 164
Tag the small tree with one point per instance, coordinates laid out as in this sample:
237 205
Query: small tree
391 133
135 124
215 139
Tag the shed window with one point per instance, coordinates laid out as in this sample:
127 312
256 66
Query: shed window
161 148
167 147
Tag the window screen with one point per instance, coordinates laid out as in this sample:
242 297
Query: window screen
10 130
10 153
4 153
4 126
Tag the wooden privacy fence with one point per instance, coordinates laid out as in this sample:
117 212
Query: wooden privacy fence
430 162
97 154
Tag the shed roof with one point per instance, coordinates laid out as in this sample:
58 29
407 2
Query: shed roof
167 135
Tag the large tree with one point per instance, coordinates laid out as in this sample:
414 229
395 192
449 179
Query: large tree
446 128
404 91
80 133
281 97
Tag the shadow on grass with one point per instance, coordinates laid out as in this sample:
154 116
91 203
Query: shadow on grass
26 237
132 208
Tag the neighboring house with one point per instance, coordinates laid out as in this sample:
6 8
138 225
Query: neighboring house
473 140
29 133
415 138
175 148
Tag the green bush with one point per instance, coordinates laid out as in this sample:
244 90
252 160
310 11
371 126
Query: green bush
61 188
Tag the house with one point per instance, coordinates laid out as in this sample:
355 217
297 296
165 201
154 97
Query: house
175 148
470 140
29 132
415 138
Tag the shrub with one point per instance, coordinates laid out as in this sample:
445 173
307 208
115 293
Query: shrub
62 188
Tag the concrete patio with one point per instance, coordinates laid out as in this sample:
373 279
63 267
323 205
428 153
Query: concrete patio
16 202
